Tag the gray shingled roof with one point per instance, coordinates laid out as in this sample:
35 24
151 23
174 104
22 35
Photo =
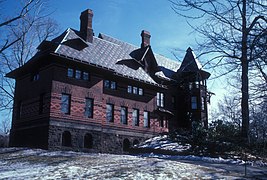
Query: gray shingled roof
106 51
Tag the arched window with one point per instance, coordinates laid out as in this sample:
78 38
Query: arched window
66 139
135 142
126 145
88 141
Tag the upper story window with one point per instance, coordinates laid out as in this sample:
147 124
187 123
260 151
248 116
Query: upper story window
36 76
202 103
110 84
78 74
130 89
135 116
65 103
194 102
70 72
124 115
110 112
85 76
135 90
89 104
146 119
160 99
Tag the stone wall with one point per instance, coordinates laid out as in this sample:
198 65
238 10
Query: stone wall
104 140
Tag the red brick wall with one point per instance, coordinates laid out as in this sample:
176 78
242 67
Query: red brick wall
117 97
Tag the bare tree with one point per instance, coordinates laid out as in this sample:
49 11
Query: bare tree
231 32
23 33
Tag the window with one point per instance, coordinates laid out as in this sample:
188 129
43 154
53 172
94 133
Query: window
124 114
190 86
135 90
160 99
146 119
41 104
140 92
89 107
106 84
78 74
136 117
110 112
35 77
194 102
66 139
203 103
65 103
85 76
161 122
110 84
130 89
70 72
113 85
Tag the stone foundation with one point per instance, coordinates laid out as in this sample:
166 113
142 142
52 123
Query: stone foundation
71 136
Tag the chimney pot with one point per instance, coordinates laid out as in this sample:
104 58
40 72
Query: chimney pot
86 29
145 38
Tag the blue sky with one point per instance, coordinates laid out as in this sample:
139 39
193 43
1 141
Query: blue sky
125 19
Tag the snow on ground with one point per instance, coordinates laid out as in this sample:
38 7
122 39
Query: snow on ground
163 142
23 163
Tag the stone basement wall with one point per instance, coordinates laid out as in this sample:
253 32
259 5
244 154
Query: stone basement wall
103 140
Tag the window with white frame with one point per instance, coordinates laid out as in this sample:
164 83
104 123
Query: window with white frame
160 99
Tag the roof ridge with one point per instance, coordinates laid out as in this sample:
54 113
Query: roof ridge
119 40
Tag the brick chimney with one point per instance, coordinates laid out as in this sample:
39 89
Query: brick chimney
145 38
86 29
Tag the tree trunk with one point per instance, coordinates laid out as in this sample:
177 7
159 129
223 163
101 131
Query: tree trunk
244 76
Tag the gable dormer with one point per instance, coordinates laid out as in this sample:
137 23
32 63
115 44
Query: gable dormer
144 55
